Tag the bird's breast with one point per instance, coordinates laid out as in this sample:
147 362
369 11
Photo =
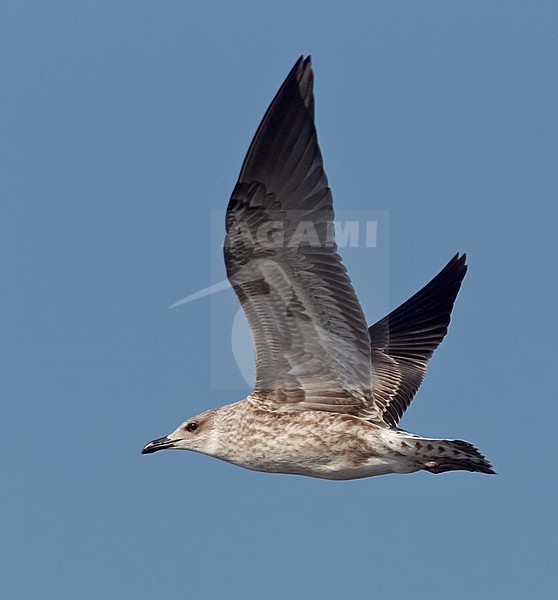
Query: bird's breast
312 443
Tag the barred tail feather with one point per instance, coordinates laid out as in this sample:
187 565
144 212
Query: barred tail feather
457 455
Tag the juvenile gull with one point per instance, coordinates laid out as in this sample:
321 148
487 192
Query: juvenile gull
329 391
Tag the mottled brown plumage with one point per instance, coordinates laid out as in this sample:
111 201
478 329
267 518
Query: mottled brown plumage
329 392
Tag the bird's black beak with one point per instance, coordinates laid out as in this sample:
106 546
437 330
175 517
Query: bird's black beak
160 444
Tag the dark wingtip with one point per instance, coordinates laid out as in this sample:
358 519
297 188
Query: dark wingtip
294 95
304 75
458 264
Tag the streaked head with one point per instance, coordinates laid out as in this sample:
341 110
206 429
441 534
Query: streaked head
197 433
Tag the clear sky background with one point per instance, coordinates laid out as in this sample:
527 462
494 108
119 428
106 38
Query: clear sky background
124 124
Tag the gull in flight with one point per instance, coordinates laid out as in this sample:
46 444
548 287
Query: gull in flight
329 390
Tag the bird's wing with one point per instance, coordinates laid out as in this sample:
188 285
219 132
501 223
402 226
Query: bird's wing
402 342
311 340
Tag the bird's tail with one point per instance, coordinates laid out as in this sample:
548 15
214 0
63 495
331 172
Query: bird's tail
455 455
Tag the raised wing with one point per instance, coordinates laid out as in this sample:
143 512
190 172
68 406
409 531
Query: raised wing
310 336
402 342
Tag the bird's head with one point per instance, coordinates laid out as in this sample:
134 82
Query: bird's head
198 434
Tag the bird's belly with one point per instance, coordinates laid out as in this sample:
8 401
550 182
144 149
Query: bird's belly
329 469
347 457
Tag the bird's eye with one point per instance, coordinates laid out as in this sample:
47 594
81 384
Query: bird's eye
192 426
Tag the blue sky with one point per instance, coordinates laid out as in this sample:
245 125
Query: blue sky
124 125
